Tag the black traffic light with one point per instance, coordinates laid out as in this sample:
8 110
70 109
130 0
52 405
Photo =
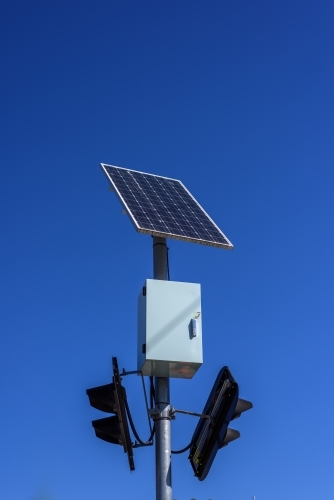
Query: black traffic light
211 434
111 398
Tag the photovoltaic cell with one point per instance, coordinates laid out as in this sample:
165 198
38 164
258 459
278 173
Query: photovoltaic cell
163 207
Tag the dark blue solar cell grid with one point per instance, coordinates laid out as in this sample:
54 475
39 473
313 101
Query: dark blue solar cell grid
164 206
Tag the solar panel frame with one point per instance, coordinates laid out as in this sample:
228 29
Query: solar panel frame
228 245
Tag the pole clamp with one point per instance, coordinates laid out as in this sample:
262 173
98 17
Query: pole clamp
157 414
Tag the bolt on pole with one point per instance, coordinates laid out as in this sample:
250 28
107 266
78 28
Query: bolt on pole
163 462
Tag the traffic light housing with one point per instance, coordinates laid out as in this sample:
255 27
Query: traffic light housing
111 398
212 433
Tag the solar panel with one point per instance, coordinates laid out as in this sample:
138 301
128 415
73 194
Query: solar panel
163 207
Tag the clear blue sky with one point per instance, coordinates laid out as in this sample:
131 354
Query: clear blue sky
236 100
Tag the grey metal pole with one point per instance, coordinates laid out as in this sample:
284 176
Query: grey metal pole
163 462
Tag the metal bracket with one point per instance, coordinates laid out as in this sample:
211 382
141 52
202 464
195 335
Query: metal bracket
138 445
157 414
193 414
154 412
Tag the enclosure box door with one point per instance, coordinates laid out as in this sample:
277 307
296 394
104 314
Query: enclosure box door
169 329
